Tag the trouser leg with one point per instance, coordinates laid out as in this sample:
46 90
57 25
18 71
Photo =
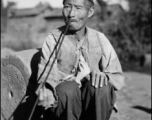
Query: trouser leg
69 101
97 102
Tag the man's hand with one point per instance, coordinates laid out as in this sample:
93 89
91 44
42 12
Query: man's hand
98 79
46 98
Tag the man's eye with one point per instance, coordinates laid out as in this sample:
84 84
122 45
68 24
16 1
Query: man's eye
66 6
78 8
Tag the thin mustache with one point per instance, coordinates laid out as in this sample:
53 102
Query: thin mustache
71 20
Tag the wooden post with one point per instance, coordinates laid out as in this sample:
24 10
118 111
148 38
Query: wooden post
3 18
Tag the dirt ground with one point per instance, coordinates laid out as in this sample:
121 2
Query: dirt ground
134 100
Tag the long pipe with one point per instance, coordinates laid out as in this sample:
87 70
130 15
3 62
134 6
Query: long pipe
59 43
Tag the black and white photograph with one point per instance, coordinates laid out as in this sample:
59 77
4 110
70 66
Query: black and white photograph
76 60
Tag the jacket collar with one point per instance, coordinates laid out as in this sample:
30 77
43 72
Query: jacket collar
90 34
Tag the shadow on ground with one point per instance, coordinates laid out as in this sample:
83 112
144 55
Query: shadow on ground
147 110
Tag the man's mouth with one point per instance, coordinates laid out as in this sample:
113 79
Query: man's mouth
72 20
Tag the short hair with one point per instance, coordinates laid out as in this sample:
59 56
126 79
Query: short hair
90 3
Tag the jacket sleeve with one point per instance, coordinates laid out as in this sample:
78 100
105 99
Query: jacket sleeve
56 74
110 64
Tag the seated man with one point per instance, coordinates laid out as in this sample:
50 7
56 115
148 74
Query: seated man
87 72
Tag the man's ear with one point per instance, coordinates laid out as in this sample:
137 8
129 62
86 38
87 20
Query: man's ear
91 12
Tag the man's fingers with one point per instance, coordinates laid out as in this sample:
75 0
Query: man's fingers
45 95
101 81
97 80
93 75
51 98
46 98
106 81
41 95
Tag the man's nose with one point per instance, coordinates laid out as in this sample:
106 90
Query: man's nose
72 13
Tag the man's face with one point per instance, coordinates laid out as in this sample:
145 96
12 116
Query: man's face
77 11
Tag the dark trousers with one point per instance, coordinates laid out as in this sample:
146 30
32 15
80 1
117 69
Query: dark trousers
85 103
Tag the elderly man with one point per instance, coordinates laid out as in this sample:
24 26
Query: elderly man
87 72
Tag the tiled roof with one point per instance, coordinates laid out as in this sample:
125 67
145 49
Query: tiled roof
29 12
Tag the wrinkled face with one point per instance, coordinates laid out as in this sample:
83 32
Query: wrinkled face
77 11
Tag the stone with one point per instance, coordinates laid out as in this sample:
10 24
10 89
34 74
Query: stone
17 82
